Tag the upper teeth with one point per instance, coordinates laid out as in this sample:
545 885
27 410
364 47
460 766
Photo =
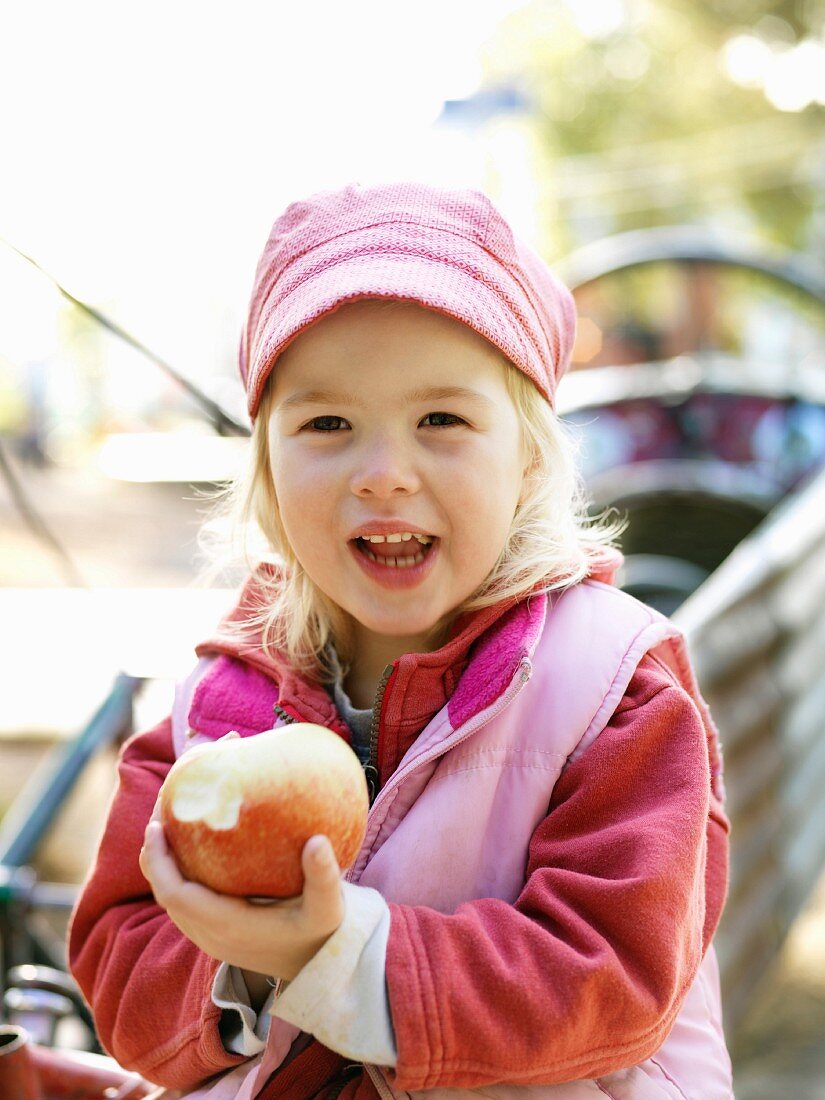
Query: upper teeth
402 536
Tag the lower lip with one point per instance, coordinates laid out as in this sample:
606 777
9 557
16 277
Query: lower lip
392 576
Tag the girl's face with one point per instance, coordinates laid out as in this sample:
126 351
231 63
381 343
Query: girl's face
389 421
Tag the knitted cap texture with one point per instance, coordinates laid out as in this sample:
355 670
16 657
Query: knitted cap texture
449 250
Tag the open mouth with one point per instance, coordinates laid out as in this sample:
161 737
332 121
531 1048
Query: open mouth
396 551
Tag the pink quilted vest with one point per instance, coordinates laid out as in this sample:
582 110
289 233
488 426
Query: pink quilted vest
591 635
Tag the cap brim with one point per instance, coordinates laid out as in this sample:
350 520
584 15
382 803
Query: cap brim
401 276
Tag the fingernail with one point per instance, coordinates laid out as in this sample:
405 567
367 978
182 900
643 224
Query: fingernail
321 851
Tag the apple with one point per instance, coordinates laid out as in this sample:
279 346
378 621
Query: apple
238 812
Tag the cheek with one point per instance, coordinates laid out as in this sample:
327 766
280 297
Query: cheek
298 476
483 494
300 492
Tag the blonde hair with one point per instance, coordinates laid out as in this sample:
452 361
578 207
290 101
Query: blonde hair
552 543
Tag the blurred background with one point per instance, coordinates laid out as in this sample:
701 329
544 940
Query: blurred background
668 158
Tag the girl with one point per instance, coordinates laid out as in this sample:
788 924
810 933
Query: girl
546 854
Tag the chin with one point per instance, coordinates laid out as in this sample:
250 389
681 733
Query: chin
399 626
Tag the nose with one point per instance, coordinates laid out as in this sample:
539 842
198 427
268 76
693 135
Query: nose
384 468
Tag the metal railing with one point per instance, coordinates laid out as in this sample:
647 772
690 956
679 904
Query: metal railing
26 935
756 631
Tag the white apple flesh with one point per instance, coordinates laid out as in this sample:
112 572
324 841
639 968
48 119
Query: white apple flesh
238 812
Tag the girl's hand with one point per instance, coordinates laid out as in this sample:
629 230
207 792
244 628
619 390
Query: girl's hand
276 939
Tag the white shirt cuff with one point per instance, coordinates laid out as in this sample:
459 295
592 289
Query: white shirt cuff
242 1030
340 996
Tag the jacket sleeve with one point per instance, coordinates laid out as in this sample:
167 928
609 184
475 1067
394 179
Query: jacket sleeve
149 988
585 973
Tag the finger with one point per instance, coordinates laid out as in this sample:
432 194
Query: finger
155 849
322 882
155 815
157 863
186 899
229 736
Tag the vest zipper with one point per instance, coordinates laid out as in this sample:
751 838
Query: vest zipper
381 1086
371 769
517 682
283 714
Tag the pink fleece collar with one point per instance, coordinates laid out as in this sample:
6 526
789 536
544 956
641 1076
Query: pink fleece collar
236 694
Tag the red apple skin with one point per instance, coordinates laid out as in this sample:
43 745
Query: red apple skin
289 784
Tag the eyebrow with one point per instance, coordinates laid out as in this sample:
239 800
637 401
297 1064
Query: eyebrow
329 397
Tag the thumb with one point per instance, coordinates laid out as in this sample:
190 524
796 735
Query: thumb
322 881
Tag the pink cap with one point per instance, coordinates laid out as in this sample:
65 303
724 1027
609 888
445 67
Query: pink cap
449 250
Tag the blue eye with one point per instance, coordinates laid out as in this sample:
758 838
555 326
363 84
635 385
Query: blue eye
322 423
449 417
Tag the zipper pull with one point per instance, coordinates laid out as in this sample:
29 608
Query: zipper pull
371 768
371 773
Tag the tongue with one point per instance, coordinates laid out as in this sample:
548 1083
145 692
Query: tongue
393 549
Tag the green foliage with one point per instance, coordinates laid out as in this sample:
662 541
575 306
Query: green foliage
641 124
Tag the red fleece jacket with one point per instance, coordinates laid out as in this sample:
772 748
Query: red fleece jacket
607 918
